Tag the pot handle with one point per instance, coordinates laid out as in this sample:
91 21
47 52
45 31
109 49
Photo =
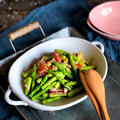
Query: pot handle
12 102
24 30
100 45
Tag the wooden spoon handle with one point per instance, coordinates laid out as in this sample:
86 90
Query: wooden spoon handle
96 85
105 112
93 99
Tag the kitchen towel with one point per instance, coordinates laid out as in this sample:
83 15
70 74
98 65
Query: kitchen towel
53 17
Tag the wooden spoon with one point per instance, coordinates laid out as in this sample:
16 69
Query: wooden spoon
96 85
90 94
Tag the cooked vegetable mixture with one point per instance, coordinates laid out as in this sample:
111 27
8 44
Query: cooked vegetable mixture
54 76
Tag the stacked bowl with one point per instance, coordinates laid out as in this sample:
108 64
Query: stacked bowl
105 19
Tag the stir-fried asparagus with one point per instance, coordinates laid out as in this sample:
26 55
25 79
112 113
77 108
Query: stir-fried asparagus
28 85
55 76
49 82
75 91
50 100
43 91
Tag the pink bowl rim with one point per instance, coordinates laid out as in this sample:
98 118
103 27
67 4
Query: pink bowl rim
97 6
113 37
88 20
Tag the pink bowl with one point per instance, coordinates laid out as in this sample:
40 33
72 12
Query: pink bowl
106 17
113 37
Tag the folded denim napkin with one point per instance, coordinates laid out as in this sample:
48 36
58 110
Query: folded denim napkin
53 17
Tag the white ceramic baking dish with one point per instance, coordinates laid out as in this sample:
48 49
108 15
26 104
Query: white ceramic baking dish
71 44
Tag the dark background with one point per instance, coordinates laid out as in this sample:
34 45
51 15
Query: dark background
12 11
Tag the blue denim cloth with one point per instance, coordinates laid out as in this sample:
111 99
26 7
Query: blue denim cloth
53 17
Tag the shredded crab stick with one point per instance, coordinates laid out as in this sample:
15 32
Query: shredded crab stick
54 76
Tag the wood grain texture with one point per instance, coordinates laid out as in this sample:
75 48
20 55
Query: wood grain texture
11 11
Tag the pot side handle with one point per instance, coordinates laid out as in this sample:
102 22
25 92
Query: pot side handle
12 102
24 30
99 45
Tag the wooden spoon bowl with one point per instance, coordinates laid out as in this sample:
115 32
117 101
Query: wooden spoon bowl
96 85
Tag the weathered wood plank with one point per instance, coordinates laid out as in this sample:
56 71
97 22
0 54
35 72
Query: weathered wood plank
11 11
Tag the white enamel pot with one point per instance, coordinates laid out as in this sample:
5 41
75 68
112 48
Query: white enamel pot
71 44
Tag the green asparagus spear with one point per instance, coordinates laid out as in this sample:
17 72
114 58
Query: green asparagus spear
79 57
63 57
39 80
87 67
56 95
48 64
25 80
39 86
34 76
69 88
35 90
75 91
58 66
62 80
63 65
66 60
60 76
68 70
43 91
49 82
28 85
75 58
50 75
47 58
69 85
57 84
45 95
44 80
50 100
68 74
41 98
52 70
72 83
65 81
61 52
26 74
73 66
33 79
